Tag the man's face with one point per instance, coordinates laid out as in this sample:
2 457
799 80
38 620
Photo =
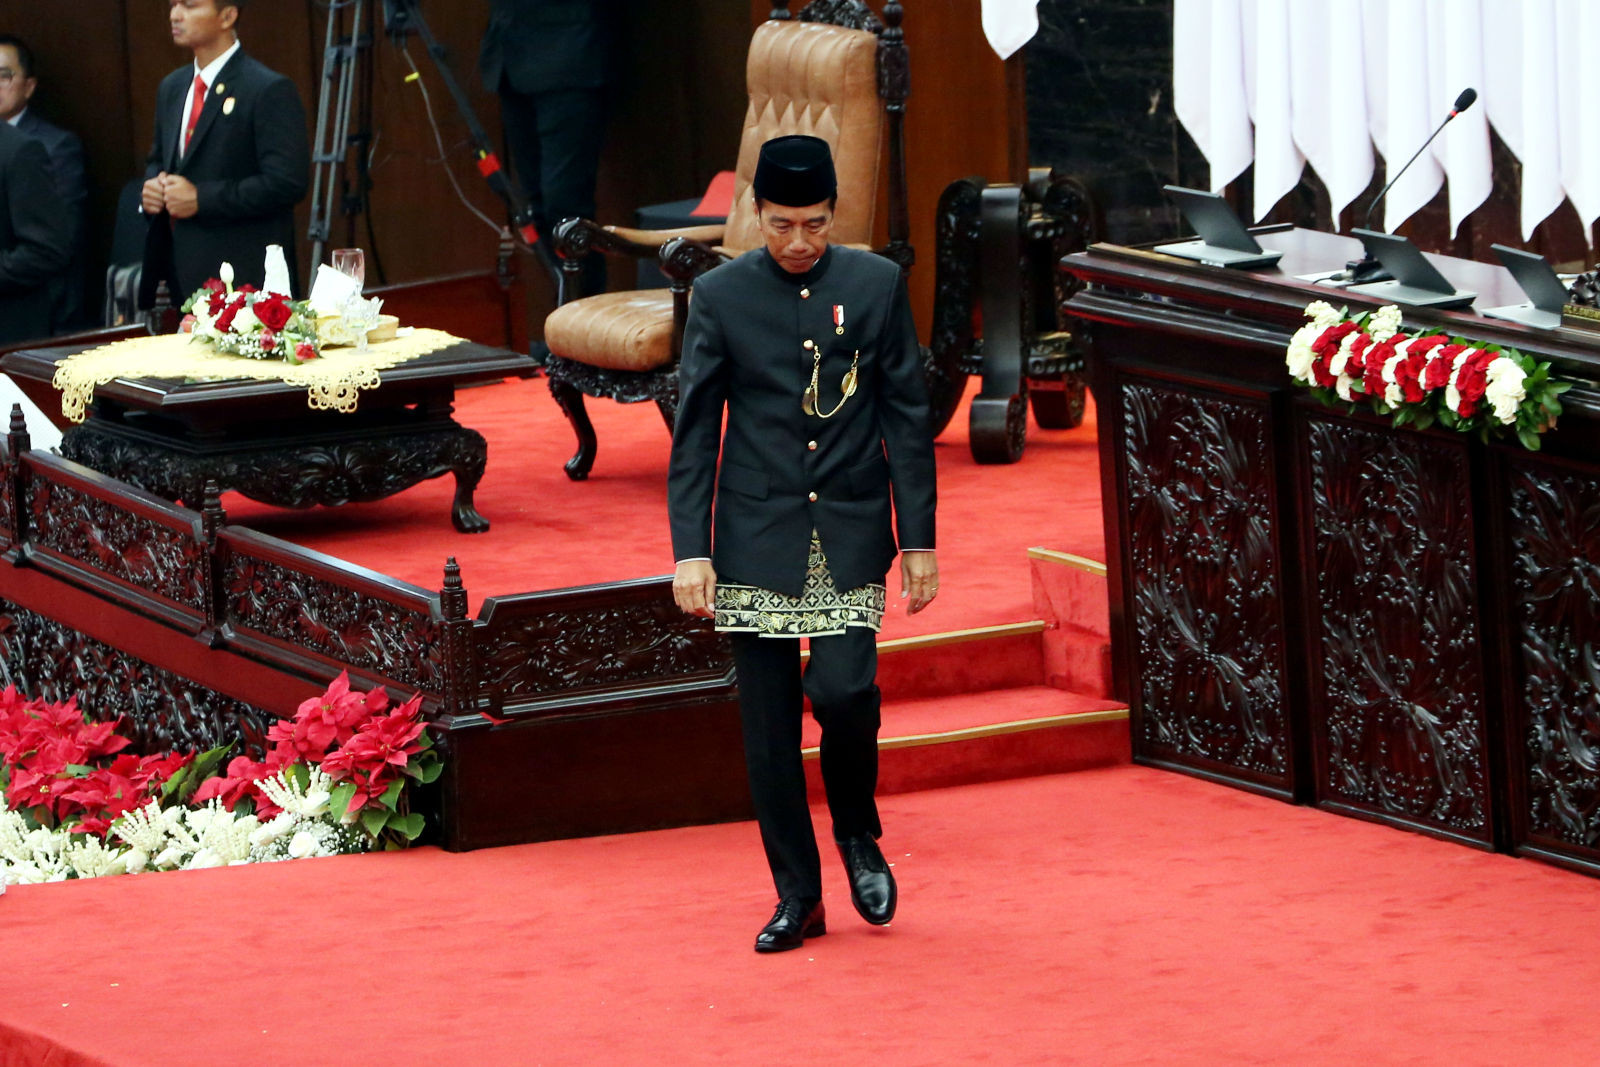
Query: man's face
197 24
15 90
796 236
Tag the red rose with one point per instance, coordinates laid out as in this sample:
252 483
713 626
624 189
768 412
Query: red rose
187 325
1325 347
225 320
1372 371
1472 379
1408 376
215 285
304 351
269 340
1356 366
1437 375
216 302
247 288
273 310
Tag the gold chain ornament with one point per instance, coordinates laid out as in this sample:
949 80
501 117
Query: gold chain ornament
847 386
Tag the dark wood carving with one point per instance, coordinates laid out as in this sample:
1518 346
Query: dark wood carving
1555 593
294 475
1396 624
852 14
160 710
530 650
333 620
953 349
114 540
1205 584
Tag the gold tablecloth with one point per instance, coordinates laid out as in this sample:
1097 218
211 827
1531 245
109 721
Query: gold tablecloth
333 381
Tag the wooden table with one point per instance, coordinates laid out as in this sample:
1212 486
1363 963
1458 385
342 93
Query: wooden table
1306 602
172 437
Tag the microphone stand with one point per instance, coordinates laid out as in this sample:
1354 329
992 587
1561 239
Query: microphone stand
1367 269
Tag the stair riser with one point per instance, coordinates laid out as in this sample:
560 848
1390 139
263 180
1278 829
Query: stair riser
1055 749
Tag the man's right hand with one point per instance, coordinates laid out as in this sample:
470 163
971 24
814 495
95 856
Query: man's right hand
153 198
694 587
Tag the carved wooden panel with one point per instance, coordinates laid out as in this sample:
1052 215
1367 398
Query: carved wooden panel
1398 710
1204 581
116 541
1555 609
607 646
350 627
161 710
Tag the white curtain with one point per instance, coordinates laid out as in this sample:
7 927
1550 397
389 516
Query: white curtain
1330 81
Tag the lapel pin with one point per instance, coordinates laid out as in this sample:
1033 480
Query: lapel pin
227 106
221 88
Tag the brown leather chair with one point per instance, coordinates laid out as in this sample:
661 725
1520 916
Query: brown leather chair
837 72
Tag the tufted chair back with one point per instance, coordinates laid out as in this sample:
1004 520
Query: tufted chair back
818 79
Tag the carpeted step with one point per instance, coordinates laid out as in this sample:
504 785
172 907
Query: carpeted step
932 742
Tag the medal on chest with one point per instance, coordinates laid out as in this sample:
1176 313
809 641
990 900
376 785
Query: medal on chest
838 318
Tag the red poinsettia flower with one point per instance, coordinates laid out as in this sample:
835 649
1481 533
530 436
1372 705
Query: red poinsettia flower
236 785
273 310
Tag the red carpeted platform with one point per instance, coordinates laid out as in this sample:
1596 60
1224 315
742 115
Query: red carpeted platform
549 532
1107 917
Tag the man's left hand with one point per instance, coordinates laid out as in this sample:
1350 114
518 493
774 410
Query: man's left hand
183 201
919 579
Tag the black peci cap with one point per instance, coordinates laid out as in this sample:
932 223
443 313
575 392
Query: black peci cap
795 171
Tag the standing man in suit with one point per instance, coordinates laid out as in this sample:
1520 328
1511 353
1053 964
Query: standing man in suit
811 351
17 85
550 61
33 236
229 161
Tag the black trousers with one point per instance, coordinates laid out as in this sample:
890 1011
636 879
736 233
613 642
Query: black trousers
840 680
555 139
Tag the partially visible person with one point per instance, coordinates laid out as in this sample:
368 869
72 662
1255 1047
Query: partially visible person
33 236
18 82
229 160
550 61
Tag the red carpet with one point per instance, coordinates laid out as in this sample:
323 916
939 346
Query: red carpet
549 532
1115 916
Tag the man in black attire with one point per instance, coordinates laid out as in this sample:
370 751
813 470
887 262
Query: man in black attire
549 61
229 160
65 149
811 351
34 238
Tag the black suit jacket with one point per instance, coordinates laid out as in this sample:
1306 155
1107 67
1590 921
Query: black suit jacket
250 164
35 242
784 473
535 46
65 150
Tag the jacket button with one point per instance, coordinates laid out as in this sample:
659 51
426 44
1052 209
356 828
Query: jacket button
811 446
807 344
805 294
811 497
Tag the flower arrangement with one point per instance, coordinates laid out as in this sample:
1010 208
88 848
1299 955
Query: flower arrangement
73 805
1424 377
251 323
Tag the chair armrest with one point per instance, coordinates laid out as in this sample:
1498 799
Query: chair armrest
576 238
710 234
684 259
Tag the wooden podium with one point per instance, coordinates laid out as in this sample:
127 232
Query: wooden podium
1398 625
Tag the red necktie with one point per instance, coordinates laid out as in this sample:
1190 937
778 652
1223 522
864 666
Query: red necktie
194 111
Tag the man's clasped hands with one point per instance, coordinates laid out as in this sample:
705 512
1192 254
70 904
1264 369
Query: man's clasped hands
172 193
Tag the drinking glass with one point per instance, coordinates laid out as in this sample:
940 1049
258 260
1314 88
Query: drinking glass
351 263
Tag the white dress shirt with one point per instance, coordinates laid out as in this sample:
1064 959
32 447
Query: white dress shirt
208 74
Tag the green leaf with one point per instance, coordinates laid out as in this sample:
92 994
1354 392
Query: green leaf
1529 439
79 770
339 799
374 819
299 775
391 796
410 825
431 771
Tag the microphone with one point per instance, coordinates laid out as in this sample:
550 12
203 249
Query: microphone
1367 269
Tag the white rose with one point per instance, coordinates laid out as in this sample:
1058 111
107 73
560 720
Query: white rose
302 845
1300 357
1452 396
1504 389
316 803
245 321
203 859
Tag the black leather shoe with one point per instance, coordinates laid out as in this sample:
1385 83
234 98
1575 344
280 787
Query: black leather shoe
872 888
793 922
